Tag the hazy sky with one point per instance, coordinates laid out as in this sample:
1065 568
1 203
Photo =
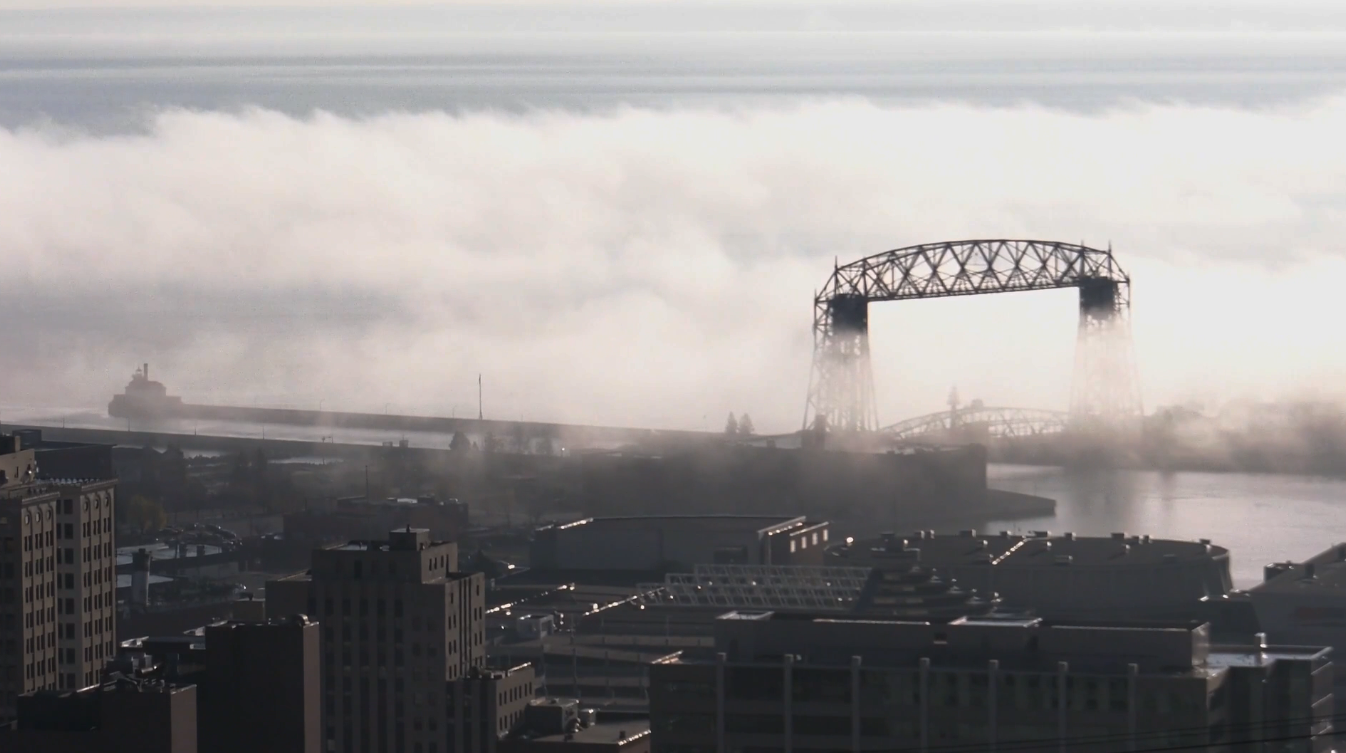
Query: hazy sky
653 265
666 15
650 267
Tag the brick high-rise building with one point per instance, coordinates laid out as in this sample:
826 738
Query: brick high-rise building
398 624
57 578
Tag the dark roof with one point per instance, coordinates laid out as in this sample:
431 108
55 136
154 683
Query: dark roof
1020 550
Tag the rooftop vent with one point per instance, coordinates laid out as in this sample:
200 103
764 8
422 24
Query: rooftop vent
1119 536
1064 559
968 533
1070 535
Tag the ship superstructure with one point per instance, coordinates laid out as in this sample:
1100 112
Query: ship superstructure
144 398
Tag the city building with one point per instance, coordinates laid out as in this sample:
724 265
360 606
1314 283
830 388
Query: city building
71 460
398 624
115 716
261 689
560 725
907 590
361 518
860 487
486 705
1305 602
1068 576
57 579
257 683
663 542
786 682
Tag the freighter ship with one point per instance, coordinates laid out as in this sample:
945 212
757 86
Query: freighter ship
144 398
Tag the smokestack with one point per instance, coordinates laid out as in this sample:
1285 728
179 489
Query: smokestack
140 578
147 369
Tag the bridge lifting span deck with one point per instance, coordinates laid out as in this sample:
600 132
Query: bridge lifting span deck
1104 390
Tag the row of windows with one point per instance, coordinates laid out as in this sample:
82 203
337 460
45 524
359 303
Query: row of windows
357 567
803 541
64 532
514 694
371 711
68 505
98 550
67 606
380 658
39 642
347 632
33 669
381 607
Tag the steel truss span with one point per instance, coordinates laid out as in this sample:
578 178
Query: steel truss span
841 386
996 423
758 587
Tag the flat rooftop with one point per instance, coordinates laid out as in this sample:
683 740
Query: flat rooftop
1255 656
1011 620
761 521
602 732
1322 573
1007 549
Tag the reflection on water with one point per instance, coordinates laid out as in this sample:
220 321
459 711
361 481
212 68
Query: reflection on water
1259 518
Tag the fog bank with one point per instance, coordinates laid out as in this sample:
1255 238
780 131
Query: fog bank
655 267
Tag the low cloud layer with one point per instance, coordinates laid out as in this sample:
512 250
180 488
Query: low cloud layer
655 267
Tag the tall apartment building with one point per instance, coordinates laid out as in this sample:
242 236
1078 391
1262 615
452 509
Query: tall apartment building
796 682
397 625
57 578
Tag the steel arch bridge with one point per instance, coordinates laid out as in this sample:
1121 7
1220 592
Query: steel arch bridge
841 385
992 422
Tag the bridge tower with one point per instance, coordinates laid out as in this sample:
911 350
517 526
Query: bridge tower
1104 393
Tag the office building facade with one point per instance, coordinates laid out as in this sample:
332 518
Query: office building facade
789 682
486 705
57 578
261 691
397 625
